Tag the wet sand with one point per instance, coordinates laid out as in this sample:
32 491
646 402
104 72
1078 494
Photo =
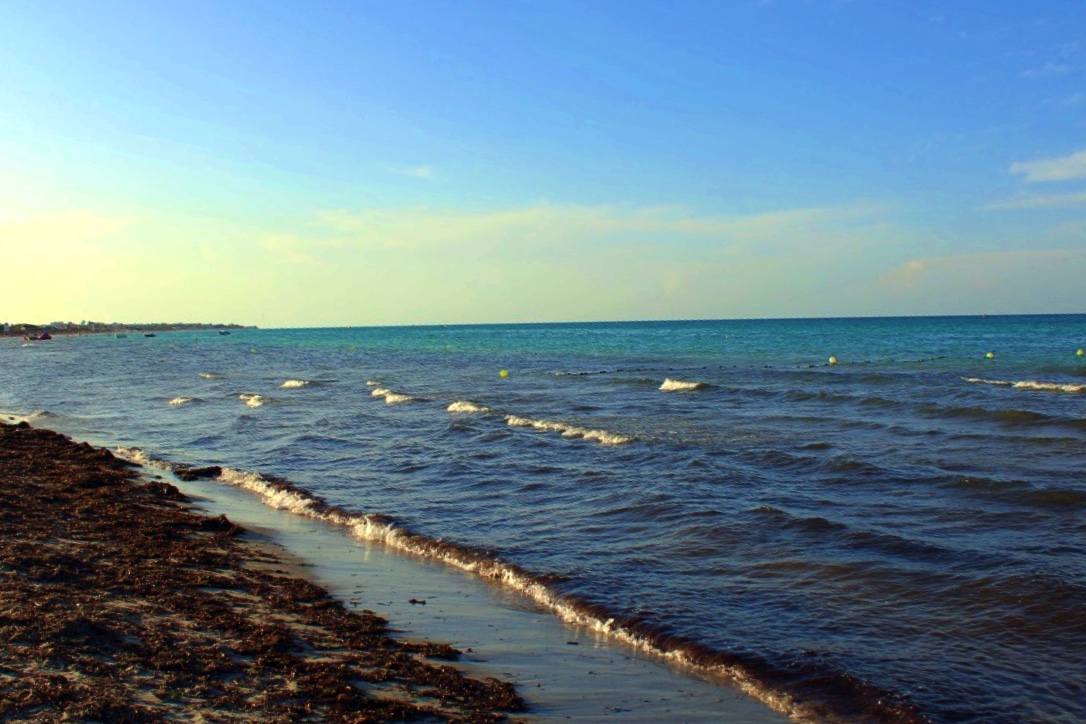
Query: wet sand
128 599
563 671
119 602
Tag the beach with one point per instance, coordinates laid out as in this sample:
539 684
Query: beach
120 603
647 520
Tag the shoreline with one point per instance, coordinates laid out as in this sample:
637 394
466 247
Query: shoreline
122 602
562 671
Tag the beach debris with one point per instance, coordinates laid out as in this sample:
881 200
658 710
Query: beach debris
122 604
417 601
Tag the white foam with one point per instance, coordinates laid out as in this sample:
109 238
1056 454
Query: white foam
467 407
604 437
396 398
372 383
671 385
252 399
392 398
294 384
140 457
377 529
1034 385
181 400
210 375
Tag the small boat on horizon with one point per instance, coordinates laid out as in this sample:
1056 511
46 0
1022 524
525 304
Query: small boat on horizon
149 334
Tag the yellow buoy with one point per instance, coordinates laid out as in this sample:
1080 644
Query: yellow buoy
833 360
990 355
504 374
1079 353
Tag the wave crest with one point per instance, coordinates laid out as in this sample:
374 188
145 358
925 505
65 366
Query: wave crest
1034 385
252 399
467 406
182 400
294 384
671 385
604 437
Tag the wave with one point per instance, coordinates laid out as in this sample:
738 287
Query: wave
671 385
1031 385
393 398
252 399
29 417
1024 493
793 689
466 406
294 384
182 400
604 437
210 375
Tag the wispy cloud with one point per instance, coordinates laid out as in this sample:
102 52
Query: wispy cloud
1064 168
548 225
1050 201
421 172
1050 69
980 267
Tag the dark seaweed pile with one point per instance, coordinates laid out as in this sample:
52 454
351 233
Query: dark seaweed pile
119 603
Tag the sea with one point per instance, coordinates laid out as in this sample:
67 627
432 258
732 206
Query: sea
854 519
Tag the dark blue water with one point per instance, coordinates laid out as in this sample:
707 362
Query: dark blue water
899 535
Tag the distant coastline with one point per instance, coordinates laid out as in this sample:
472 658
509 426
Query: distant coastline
23 329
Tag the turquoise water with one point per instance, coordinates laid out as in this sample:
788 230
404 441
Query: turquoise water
899 535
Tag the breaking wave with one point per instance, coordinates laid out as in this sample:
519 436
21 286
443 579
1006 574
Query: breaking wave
1031 385
210 375
393 398
783 690
466 406
603 437
294 384
252 399
671 385
182 400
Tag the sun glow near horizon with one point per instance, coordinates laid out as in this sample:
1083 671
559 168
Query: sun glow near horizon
379 171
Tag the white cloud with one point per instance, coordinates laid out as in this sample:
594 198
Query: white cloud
1050 69
1064 168
1019 281
549 226
1039 202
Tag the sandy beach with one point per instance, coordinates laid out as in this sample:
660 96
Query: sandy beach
121 603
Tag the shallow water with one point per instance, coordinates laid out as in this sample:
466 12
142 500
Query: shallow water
902 533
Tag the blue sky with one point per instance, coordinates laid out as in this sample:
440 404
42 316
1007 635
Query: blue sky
336 163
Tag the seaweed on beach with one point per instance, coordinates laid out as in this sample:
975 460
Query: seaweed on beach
120 603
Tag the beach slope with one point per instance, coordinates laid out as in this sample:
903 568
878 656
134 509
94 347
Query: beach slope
118 602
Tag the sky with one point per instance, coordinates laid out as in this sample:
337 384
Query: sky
347 162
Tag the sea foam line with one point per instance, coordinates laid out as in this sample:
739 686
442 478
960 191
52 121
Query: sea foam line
376 528
604 437
1031 385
